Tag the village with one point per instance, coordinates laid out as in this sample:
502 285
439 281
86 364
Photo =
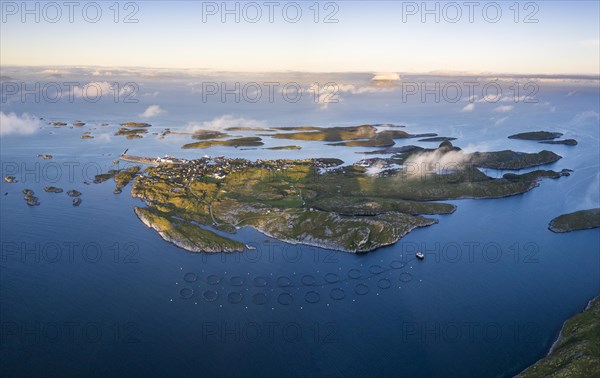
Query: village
219 167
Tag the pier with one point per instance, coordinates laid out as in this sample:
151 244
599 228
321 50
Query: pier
139 159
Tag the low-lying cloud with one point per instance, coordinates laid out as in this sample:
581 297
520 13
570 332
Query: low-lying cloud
386 76
98 89
223 122
468 108
499 121
12 124
504 108
437 161
152 111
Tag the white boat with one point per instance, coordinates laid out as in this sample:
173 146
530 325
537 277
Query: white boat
420 255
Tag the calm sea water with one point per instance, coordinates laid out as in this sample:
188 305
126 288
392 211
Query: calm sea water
91 291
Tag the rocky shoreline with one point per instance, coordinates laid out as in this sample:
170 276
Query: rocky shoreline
191 243
575 352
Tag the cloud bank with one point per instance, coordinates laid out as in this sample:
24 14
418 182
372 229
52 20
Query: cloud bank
223 122
437 161
468 108
12 124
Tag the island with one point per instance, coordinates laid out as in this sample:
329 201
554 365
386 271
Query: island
53 189
45 156
10 179
566 142
536 135
576 352
317 202
351 136
237 142
78 123
330 134
131 133
279 148
301 128
392 150
579 220
508 159
242 128
73 193
502 160
437 139
207 134
545 137
382 139
30 198
378 141
135 124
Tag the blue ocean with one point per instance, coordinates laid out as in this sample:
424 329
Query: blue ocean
92 291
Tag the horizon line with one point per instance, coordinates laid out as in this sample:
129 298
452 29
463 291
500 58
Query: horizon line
437 72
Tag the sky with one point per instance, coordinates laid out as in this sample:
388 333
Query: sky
543 37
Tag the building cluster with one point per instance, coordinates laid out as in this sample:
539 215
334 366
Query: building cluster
176 169
372 163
